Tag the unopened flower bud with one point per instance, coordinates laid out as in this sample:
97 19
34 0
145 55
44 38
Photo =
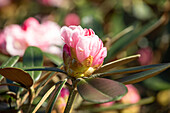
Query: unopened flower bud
83 52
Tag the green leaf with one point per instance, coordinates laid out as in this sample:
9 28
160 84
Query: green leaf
126 71
55 94
17 75
55 59
143 75
10 62
116 63
33 56
101 90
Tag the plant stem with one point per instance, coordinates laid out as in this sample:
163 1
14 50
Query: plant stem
71 98
31 97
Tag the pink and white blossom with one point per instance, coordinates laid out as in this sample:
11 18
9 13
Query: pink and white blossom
14 39
85 47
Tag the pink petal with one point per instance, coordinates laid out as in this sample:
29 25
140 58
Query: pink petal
66 33
82 49
30 22
95 45
75 36
98 59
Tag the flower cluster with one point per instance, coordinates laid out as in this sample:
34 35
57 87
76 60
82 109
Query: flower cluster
83 52
14 39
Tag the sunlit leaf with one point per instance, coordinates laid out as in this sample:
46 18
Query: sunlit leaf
17 75
116 63
33 56
44 98
143 75
54 58
10 62
100 90
55 94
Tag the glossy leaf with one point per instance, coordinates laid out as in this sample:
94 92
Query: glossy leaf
116 63
55 59
17 75
143 75
54 97
10 62
33 56
100 90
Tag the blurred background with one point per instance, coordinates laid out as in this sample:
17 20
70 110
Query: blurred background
111 20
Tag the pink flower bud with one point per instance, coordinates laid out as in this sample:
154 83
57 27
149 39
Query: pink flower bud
83 52
72 19
132 96
30 23
146 56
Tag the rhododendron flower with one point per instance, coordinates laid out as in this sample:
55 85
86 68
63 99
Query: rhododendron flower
15 39
83 52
